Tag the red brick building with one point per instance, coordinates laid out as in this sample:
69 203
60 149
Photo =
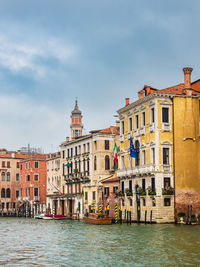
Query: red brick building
110 195
33 184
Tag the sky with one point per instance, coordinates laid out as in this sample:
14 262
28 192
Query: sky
100 51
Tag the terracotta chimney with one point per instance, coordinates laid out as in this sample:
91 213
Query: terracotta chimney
127 101
117 123
67 139
187 80
140 94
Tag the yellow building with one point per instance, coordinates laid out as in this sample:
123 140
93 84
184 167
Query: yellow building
164 127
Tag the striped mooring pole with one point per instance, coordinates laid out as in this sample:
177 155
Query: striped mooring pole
151 216
116 211
26 211
100 207
145 219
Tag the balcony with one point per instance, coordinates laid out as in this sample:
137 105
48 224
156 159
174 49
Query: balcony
142 130
36 198
136 171
19 198
151 191
168 191
85 154
166 127
151 127
136 132
26 198
121 194
141 192
166 168
121 138
129 193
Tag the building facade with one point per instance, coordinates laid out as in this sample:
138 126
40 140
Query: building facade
10 181
56 187
164 177
33 185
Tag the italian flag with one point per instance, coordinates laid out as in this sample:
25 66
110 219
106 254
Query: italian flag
116 150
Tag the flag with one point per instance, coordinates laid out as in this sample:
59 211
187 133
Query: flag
68 164
133 153
116 150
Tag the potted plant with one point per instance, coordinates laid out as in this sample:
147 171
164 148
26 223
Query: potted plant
151 192
121 194
141 192
168 191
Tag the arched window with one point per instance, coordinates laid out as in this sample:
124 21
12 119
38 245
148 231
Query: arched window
8 192
137 149
8 176
3 176
107 162
3 193
95 163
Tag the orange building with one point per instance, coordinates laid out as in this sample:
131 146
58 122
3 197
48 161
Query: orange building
9 181
33 184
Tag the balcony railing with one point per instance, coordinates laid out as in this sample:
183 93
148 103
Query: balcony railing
151 191
166 127
136 170
168 191
36 198
151 127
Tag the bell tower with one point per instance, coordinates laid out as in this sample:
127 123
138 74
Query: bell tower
76 122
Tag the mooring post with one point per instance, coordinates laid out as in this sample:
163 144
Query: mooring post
127 215
145 220
151 215
130 215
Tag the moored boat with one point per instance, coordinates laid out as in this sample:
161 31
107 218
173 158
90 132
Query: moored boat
97 218
50 217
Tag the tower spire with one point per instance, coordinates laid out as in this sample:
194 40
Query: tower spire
76 121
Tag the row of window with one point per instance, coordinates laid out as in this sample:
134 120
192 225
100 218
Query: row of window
5 164
167 202
165 119
35 177
86 148
93 195
8 205
5 193
35 191
28 165
165 156
166 183
5 176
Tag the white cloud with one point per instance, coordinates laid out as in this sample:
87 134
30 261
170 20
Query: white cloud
18 56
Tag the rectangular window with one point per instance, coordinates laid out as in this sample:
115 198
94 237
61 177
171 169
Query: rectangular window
28 191
21 167
122 187
167 202
153 184
166 182
26 166
13 205
36 192
153 155
88 147
3 164
130 124
144 157
165 115
76 151
95 145
36 177
68 153
17 164
7 206
86 195
29 165
130 202
130 185
143 185
93 195
152 115
107 147
166 156
115 189
71 152
17 177
2 205
8 164
28 177
79 150
122 162
136 121
17 193
106 191
36 164
143 119
122 127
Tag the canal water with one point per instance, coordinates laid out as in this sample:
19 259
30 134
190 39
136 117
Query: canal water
29 242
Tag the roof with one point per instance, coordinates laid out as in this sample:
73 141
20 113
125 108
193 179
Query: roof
111 180
109 130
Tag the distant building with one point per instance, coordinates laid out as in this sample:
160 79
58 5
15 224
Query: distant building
33 184
165 177
10 183
56 187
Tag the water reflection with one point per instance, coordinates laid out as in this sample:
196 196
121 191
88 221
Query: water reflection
29 242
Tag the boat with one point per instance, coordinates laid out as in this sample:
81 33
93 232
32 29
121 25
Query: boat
97 218
50 217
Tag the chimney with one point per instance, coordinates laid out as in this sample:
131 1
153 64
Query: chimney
67 139
127 101
117 123
187 80
140 94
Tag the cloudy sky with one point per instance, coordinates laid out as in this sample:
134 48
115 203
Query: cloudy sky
99 51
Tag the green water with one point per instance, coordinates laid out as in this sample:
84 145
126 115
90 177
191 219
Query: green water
29 242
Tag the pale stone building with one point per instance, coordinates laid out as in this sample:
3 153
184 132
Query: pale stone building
56 188
86 160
